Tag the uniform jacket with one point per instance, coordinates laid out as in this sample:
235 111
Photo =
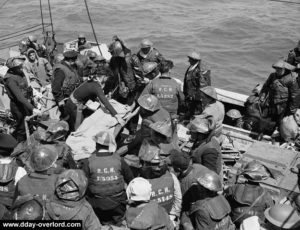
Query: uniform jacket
211 214
70 210
65 80
194 79
149 216
39 71
18 91
168 91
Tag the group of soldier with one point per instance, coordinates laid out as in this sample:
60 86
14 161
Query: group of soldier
149 181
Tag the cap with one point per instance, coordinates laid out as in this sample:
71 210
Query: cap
209 91
194 55
146 43
139 189
70 54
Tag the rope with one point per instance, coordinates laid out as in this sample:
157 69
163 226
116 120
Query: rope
42 16
50 14
1 6
88 12
20 31
29 31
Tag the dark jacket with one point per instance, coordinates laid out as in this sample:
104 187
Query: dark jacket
195 79
211 214
37 183
70 210
242 196
65 80
18 91
149 216
168 91
209 154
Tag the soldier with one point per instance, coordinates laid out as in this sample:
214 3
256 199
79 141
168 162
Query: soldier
211 211
166 89
10 172
195 78
107 174
282 90
20 95
207 149
234 118
187 174
82 43
165 186
65 78
42 180
69 202
143 213
249 198
213 107
88 90
148 53
294 55
37 70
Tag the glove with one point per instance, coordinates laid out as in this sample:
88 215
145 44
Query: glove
37 112
120 120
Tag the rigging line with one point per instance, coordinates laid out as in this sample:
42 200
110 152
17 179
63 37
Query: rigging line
285 1
1 6
30 31
42 16
29 28
50 14
88 12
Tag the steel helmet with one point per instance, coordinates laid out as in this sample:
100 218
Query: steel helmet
71 185
210 91
43 157
163 127
14 62
58 130
255 171
146 43
106 139
116 49
139 189
148 67
149 102
91 54
202 124
194 55
32 38
81 36
149 152
234 114
210 180
281 64
99 58
29 207
284 216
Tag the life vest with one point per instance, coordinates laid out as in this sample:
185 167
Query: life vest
71 80
105 176
163 190
245 196
7 183
218 209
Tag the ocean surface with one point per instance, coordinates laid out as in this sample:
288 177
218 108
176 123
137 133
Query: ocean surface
238 39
